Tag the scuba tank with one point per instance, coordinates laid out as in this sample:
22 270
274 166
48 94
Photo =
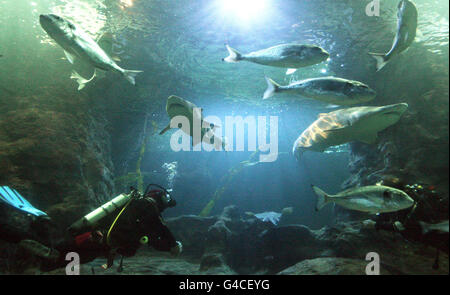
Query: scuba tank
89 221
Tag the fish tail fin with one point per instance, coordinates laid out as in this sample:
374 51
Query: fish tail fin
80 80
272 87
381 59
234 56
130 75
322 197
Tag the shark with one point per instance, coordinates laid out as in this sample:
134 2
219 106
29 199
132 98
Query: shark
77 44
348 125
177 106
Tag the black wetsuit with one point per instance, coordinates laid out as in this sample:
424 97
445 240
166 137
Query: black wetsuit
12 234
142 217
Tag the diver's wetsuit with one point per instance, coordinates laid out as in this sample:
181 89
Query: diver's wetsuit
142 217
12 234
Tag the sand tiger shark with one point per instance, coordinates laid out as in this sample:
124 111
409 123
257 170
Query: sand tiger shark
79 45
177 106
347 125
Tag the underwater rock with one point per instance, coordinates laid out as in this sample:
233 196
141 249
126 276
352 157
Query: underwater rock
256 247
221 232
55 152
210 261
192 231
148 263
330 266
250 246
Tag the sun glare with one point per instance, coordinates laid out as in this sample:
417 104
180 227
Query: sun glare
244 10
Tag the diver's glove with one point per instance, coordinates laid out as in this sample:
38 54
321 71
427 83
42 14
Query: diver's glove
176 250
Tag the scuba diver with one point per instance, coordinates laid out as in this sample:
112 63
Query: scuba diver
118 227
426 222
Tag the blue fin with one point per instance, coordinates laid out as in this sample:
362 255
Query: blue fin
13 198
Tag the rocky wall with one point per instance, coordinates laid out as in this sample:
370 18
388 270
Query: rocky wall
56 152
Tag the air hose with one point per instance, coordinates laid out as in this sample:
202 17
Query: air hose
114 222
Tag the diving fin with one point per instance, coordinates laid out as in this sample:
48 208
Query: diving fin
13 198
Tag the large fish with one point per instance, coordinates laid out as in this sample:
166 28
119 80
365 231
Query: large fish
371 199
177 106
79 45
406 33
441 227
332 90
347 125
291 56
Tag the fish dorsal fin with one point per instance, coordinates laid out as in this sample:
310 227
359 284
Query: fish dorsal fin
105 41
369 138
69 57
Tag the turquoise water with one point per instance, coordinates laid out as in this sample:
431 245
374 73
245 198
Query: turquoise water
114 126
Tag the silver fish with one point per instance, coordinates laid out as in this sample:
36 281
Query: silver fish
441 227
291 56
406 33
371 199
332 90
